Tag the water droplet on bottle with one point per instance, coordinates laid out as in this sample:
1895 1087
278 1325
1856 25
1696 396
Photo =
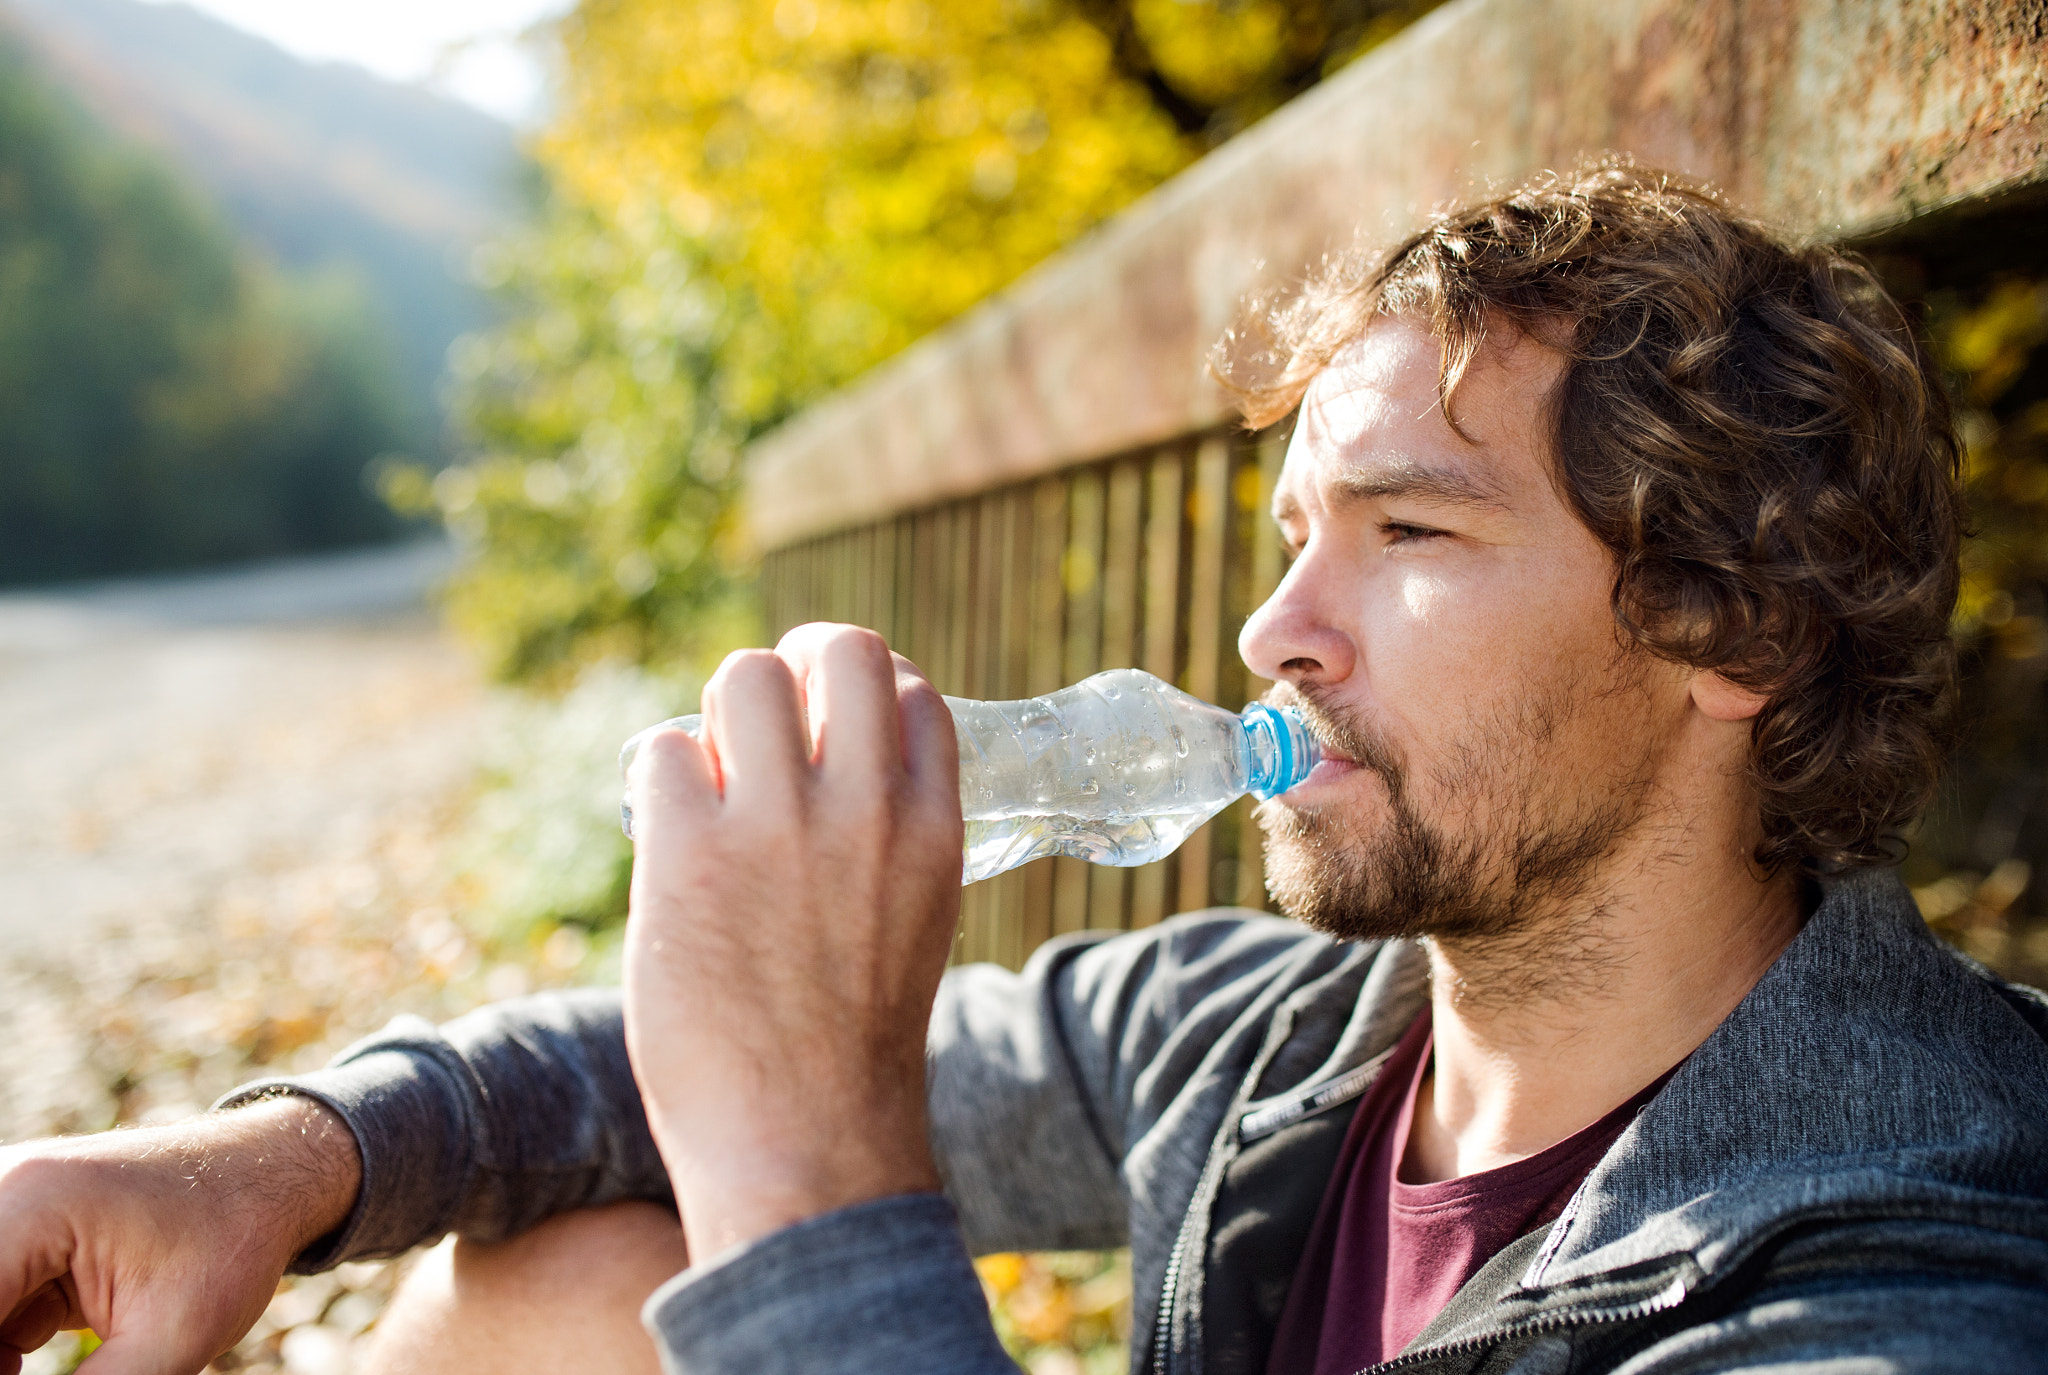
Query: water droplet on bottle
1180 741
1130 790
1180 785
1088 755
1091 787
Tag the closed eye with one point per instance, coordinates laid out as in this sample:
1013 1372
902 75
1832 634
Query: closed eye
1400 532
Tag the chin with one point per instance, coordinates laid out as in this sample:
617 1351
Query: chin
1388 876
1330 872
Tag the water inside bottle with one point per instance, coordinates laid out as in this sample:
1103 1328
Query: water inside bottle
1118 769
996 844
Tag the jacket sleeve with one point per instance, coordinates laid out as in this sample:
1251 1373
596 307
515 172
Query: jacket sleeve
1038 1082
483 1126
882 1286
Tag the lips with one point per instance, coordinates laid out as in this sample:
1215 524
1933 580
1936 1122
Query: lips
1331 768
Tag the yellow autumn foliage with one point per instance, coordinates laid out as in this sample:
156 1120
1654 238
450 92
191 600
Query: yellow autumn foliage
757 200
867 168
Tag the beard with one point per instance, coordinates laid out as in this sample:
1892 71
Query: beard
1530 841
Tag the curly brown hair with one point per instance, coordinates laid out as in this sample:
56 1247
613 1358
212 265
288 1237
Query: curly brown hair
1751 426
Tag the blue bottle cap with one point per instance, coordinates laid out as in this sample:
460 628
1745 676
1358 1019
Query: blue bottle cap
1282 749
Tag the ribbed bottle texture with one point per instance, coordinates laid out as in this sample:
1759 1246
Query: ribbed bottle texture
1118 769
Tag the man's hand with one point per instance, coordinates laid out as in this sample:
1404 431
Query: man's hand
169 1241
795 892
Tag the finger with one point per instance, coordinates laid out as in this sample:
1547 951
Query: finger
672 788
753 712
38 1318
31 1281
850 676
931 750
797 648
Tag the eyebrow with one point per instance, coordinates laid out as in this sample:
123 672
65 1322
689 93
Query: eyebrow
1405 479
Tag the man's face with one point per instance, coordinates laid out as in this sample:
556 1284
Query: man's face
1489 740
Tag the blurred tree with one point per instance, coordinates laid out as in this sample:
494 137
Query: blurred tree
162 402
1216 66
835 178
868 169
1977 855
597 505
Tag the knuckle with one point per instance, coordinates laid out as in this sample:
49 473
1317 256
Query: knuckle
752 664
807 633
668 748
856 648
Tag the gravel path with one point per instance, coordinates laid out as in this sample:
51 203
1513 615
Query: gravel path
226 802
160 738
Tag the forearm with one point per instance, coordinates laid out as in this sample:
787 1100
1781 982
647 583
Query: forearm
294 1151
485 1126
166 1241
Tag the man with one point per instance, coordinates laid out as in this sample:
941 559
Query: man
1625 543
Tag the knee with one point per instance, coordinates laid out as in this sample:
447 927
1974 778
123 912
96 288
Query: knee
591 1252
563 1296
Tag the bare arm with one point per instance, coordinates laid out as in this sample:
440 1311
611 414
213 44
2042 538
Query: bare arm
167 1241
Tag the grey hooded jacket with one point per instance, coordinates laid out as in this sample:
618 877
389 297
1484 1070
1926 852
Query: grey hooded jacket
1849 1175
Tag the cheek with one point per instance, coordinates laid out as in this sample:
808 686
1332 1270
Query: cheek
1425 648
1426 620
1422 598
1444 651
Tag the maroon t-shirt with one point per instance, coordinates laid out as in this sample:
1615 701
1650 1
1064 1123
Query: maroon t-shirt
1384 1257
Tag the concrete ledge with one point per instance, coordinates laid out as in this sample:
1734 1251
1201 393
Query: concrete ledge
1840 118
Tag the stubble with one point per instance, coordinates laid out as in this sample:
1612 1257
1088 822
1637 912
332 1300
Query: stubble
1508 848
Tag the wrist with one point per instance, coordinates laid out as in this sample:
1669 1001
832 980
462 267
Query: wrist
732 1192
296 1154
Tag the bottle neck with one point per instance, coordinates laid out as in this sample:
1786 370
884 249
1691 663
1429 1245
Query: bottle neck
1280 749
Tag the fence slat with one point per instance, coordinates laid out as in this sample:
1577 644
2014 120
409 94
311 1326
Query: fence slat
1150 560
1159 639
1209 524
1122 545
1267 564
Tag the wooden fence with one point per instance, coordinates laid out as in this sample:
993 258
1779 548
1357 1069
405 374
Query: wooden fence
1049 486
1150 560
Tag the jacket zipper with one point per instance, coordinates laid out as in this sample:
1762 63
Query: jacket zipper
1209 1180
1212 1174
1204 1197
1162 1329
1669 1297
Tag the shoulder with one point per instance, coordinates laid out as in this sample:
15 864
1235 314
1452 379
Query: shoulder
1221 960
1904 1295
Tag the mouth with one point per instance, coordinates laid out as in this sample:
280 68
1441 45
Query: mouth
1335 764
1331 768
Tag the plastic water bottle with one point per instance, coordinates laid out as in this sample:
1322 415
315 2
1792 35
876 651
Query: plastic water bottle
1118 769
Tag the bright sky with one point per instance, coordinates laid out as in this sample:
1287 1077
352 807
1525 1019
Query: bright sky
467 49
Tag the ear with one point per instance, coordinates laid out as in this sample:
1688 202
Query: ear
1720 700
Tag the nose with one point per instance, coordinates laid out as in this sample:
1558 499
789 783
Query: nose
1291 638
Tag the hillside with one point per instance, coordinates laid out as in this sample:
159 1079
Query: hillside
320 166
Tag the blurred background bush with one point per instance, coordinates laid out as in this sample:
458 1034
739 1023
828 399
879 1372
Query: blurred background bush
754 201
